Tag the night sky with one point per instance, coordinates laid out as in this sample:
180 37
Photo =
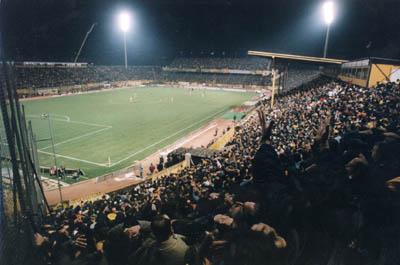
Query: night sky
52 30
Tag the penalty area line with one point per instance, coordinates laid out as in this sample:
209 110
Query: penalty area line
68 120
76 138
73 158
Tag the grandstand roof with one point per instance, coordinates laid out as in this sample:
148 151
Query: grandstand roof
370 60
379 60
296 57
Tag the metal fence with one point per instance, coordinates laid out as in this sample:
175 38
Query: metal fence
22 204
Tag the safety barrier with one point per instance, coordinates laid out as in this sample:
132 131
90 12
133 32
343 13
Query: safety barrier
223 140
163 173
90 197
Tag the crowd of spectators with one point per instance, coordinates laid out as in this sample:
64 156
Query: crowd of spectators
246 63
212 79
297 77
46 77
294 77
172 158
311 181
183 66
35 78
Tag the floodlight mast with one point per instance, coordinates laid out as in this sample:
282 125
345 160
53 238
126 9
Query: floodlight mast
126 55
328 10
84 42
124 21
326 40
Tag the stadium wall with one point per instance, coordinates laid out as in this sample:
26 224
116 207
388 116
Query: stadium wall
381 73
356 81
370 71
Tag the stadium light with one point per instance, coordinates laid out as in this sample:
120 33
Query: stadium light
124 23
328 11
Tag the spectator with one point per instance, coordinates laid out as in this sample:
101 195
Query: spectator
311 181
152 168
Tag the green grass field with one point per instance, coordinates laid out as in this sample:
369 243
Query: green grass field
91 128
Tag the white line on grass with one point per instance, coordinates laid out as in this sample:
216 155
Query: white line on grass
75 138
190 139
91 124
131 155
74 158
166 138
71 121
67 118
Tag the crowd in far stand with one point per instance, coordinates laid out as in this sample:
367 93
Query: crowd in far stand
46 77
312 181
213 79
37 78
298 76
245 63
193 70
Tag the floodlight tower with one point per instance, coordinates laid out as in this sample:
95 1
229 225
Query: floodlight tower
328 10
124 22
84 41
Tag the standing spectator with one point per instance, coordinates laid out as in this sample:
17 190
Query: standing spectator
152 168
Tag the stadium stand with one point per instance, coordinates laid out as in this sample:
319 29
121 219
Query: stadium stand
49 77
247 63
213 79
312 181
251 72
299 76
248 71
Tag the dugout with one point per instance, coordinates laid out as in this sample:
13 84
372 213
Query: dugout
368 72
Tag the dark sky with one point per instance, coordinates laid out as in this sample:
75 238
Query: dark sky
53 29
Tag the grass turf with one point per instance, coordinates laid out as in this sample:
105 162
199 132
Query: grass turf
90 128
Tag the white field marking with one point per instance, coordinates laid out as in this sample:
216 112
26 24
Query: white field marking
104 127
136 153
71 121
75 138
166 138
74 158
91 124
52 116
191 138
67 118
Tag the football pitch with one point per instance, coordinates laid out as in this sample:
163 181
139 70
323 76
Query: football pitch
105 131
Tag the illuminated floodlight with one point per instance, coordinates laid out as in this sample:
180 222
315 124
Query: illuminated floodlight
328 10
124 21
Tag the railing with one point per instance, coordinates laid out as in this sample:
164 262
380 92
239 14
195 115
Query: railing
163 173
223 140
